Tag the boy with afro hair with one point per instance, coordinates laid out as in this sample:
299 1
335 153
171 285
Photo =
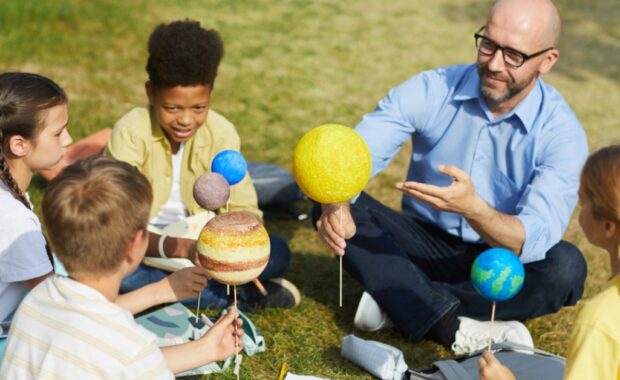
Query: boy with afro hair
173 141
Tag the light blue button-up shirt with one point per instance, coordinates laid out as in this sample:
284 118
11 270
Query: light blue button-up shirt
525 163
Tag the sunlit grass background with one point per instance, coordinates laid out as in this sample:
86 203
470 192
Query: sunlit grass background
292 65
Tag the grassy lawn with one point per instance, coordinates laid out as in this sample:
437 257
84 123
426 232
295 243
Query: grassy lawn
289 66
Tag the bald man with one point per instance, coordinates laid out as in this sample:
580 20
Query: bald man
496 159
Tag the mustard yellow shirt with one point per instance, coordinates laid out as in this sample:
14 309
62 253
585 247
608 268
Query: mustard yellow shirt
140 141
594 347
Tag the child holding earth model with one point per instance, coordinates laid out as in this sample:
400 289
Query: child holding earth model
594 347
173 142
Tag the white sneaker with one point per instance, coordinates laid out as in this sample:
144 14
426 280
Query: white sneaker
474 335
369 316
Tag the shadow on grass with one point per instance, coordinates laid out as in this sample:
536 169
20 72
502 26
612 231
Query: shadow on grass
316 275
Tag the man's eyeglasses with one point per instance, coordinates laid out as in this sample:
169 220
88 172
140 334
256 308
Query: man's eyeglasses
512 57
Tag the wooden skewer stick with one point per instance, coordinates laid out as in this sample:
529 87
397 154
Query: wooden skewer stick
227 208
235 303
236 337
199 296
340 299
260 287
198 306
491 326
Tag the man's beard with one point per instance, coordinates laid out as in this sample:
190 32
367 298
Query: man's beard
511 90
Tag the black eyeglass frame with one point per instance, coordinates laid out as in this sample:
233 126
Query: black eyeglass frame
526 57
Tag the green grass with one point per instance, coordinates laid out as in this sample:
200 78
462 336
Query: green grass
292 65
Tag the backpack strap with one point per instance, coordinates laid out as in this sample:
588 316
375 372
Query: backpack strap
515 347
512 347
452 370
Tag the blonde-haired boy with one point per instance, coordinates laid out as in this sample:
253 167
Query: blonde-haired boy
96 212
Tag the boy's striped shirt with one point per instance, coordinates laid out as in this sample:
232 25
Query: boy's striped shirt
65 329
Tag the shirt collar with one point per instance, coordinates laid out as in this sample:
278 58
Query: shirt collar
156 130
469 88
526 110
529 107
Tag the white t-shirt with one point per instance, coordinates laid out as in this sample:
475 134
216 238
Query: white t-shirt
67 330
173 210
22 251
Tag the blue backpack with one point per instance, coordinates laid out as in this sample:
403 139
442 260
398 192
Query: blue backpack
525 362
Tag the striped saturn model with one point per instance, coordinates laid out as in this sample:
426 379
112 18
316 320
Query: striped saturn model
234 248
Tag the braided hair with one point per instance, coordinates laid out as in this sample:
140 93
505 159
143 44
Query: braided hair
23 97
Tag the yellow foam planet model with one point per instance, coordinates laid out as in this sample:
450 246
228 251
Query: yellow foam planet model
331 163
233 248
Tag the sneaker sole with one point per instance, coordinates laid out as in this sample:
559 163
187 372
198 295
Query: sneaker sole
525 338
518 334
360 320
286 284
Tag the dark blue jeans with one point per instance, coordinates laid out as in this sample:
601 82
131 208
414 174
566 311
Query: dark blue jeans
214 294
417 273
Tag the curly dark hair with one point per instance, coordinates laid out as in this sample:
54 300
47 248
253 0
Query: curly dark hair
183 53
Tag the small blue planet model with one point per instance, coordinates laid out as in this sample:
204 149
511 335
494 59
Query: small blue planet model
497 274
231 165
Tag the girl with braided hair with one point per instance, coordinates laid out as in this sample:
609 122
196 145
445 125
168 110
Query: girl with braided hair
33 137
